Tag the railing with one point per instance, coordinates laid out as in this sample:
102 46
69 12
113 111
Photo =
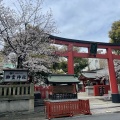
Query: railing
10 91
66 108
63 96
44 91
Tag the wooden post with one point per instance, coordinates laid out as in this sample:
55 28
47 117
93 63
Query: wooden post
113 81
70 59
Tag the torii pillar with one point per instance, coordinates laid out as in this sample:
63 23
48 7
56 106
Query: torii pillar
113 81
70 59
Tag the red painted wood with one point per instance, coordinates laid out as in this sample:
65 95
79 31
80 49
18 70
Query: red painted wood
44 91
87 55
87 45
115 56
62 54
70 59
66 108
113 81
96 89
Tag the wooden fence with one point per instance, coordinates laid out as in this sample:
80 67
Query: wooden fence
66 108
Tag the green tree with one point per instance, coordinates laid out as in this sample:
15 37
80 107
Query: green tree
63 66
59 67
80 63
114 34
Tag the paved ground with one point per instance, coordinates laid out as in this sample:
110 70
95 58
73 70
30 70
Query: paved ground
98 106
38 114
112 116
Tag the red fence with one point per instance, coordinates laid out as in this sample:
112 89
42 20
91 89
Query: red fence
44 91
67 108
100 90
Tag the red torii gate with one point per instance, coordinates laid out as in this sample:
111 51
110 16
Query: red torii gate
70 54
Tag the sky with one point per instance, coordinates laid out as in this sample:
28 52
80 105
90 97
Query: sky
89 20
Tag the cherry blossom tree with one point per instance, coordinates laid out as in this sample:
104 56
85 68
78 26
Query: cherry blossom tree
103 74
24 30
117 70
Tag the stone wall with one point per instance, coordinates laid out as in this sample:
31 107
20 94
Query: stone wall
16 98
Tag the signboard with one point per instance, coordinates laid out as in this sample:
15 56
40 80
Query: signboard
93 49
15 75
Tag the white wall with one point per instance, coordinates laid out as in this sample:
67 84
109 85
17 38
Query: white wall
93 64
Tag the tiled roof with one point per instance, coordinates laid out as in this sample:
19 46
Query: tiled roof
62 79
8 65
89 75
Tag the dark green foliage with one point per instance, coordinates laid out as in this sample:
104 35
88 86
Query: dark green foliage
56 66
80 64
114 34
63 66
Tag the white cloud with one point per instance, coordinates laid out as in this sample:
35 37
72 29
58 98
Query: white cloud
83 19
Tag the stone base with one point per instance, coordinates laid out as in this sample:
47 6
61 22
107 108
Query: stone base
115 98
16 105
89 90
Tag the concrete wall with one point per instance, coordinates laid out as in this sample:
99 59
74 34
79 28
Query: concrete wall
16 98
89 90
119 88
16 105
